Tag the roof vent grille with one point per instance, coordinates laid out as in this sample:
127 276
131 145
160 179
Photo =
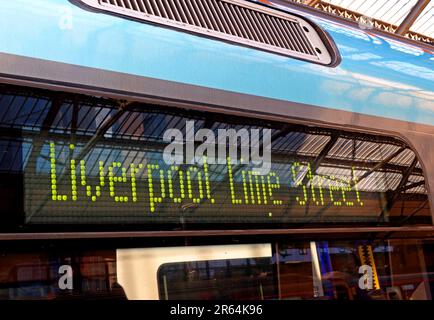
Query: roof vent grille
234 21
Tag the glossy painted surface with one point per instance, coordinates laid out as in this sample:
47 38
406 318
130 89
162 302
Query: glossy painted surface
377 76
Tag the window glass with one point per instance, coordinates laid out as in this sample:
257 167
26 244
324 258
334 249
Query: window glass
80 160
235 279
325 270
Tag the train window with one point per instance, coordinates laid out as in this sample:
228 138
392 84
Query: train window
73 160
362 269
387 270
235 279
38 275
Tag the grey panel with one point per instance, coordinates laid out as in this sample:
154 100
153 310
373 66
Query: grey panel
233 21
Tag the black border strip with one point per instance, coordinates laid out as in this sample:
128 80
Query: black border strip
206 233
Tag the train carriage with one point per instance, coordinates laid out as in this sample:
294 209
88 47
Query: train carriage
211 149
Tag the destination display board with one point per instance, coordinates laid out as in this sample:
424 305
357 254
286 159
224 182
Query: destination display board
131 182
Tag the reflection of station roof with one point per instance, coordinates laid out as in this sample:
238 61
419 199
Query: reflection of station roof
379 163
413 19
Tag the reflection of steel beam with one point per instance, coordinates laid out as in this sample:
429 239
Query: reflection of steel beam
74 121
51 114
394 194
282 132
415 211
312 3
414 13
411 186
247 122
278 157
321 156
102 130
378 166
56 104
208 124
315 165
237 169
407 174
324 152
107 124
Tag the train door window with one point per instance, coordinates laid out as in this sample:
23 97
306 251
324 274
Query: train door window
381 269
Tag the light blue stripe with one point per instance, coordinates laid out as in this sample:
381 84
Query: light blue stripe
376 77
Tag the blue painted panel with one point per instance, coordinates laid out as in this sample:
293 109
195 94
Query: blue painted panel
377 76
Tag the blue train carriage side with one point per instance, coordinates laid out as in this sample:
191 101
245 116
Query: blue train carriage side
93 92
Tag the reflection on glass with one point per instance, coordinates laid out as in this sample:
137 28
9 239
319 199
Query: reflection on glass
218 279
320 270
397 270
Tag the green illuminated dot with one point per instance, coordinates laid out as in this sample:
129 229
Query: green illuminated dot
74 198
258 189
71 146
246 194
53 197
252 192
231 182
270 214
207 184
275 185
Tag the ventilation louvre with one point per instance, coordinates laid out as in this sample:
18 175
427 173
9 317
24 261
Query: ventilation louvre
234 21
